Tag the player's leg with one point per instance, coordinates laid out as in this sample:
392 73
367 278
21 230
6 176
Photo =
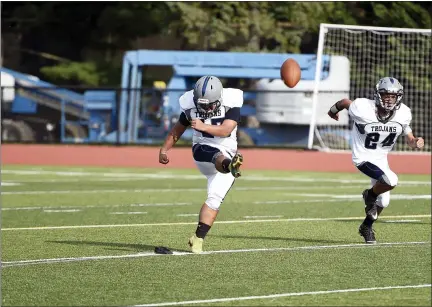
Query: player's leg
377 197
385 180
218 185
231 164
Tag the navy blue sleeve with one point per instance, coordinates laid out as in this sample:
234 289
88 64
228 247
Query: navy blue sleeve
233 114
183 119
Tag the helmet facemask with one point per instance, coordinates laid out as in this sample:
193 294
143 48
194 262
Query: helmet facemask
204 105
207 94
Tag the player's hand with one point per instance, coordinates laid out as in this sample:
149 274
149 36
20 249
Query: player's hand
333 115
163 157
197 124
419 143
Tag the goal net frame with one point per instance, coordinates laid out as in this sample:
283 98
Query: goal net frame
316 138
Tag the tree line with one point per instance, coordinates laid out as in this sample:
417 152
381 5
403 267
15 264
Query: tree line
82 43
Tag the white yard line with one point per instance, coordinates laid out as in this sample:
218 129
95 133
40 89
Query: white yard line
217 222
95 206
9 184
402 221
295 201
336 198
231 251
128 212
193 177
99 191
160 204
358 196
61 211
262 216
283 188
273 296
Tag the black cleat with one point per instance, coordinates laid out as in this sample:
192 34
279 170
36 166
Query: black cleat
163 250
371 208
367 233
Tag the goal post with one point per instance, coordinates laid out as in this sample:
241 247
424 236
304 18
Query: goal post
372 53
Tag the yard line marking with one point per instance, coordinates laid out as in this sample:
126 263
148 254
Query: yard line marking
99 191
95 206
193 177
171 204
243 298
136 190
401 221
355 196
262 216
276 202
161 204
313 219
231 251
129 212
9 184
26 208
66 210
267 202
394 196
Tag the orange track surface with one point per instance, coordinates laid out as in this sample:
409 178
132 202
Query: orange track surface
140 156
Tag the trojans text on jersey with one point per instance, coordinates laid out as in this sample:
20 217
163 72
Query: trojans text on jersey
390 127
205 115
382 128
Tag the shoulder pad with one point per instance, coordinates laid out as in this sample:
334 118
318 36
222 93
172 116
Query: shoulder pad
405 110
364 102
361 105
186 101
232 98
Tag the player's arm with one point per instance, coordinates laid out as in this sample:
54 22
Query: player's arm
232 117
414 142
339 106
172 137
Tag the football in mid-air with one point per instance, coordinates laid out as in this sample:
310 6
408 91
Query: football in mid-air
290 72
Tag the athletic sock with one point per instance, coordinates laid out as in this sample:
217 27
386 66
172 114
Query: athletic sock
225 165
368 221
372 194
202 230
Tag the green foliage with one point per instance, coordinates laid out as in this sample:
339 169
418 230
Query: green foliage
95 35
85 73
401 14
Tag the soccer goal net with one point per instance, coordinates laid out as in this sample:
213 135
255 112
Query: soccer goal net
372 53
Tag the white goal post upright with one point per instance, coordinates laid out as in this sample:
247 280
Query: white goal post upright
373 53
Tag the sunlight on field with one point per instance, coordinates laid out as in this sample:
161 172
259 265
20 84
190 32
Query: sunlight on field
86 236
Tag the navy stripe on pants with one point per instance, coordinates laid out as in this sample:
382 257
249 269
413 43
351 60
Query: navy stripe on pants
204 153
371 170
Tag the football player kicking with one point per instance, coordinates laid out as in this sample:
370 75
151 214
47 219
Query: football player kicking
213 112
377 125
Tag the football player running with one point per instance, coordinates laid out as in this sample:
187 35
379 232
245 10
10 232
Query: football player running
377 125
213 112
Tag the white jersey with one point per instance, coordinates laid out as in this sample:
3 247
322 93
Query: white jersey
231 98
372 140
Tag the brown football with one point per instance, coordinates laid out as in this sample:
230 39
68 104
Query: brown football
290 72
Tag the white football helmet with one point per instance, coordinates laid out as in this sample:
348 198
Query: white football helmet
208 94
388 94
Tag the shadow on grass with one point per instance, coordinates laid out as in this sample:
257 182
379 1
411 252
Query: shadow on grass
117 246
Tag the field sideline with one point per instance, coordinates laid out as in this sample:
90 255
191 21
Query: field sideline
84 236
